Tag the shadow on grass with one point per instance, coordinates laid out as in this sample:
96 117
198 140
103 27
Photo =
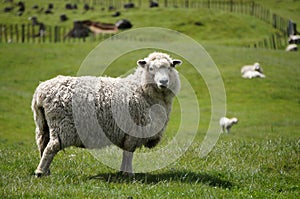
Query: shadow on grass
172 176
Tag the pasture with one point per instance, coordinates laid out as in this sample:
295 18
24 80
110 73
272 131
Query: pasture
260 158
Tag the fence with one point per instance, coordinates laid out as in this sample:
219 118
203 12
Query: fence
29 33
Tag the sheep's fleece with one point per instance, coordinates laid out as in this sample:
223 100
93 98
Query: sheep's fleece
93 112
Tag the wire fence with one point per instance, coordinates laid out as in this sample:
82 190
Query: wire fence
28 33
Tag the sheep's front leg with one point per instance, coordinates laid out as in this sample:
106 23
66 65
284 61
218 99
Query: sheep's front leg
126 166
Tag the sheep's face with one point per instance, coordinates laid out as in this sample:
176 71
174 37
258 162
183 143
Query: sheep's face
234 120
257 67
161 73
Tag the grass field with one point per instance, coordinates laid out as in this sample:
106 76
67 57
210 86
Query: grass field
260 158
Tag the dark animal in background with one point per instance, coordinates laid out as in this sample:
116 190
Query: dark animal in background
153 4
129 5
110 8
42 27
21 6
123 24
48 11
116 14
8 9
80 30
50 6
21 9
34 20
198 23
86 7
35 7
63 17
69 6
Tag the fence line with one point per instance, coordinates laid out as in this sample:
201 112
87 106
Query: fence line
54 34
28 33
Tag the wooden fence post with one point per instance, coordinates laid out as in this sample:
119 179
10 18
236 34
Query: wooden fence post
11 35
23 33
17 33
4 33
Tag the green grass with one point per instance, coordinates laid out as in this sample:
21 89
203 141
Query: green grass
260 158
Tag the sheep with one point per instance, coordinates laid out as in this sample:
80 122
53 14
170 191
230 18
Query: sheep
255 67
252 71
252 74
291 47
154 83
294 39
227 123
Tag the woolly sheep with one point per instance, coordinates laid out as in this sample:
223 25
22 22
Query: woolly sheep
154 83
227 123
291 47
255 67
294 39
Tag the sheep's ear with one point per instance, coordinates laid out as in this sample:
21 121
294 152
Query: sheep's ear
141 63
176 62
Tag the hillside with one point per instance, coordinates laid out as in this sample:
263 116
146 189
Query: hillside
214 25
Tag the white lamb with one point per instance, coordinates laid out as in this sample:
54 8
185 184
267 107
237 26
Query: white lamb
255 67
252 71
227 123
64 106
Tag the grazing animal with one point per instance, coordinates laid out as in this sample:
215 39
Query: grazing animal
146 95
227 123
123 24
294 39
291 47
129 5
153 4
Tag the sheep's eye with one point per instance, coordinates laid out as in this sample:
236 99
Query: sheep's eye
151 69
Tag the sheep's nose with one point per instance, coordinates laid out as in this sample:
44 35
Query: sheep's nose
163 81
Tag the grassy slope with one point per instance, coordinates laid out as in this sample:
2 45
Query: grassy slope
288 9
260 157
217 27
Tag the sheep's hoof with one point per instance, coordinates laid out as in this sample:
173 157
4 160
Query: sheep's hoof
126 174
39 173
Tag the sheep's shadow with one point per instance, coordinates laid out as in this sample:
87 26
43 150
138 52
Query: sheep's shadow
179 176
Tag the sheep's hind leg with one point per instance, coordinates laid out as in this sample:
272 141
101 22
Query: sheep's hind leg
50 151
126 166
42 139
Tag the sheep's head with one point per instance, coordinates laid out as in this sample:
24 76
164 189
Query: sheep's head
234 120
159 70
257 67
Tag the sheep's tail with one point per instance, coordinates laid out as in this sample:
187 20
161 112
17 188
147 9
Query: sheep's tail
42 129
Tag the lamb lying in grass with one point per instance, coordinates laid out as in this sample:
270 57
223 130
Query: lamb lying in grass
227 123
252 71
